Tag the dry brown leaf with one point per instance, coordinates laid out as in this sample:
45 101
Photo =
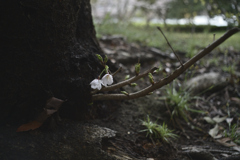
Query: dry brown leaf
226 142
237 100
52 106
29 126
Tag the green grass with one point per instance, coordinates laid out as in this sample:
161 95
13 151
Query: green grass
233 133
179 102
230 68
185 42
156 131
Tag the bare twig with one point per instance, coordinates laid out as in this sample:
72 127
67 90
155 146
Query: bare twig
119 69
170 45
163 81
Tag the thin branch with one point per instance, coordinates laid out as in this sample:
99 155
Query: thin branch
168 79
126 82
119 69
170 45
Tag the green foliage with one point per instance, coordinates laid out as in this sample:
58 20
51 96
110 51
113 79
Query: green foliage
148 1
233 133
179 102
184 8
183 42
189 8
192 51
214 61
230 68
229 9
157 131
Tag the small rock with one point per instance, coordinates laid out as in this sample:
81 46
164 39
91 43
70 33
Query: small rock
211 81
108 51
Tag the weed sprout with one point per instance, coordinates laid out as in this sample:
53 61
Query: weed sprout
156 131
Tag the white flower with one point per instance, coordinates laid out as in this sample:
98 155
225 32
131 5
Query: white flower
96 84
107 79
229 120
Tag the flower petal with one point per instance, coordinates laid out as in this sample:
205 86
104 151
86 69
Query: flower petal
229 120
96 84
107 79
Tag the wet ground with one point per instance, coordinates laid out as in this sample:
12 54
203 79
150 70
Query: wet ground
113 129
219 98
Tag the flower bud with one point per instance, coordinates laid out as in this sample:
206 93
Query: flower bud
124 92
151 78
133 84
105 59
91 103
99 58
159 69
137 68
127 77
106 69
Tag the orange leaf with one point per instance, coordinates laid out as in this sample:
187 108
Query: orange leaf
29 126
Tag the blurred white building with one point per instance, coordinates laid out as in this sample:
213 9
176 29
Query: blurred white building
123 10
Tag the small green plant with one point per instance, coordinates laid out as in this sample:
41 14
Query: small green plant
213 61
179 102
192 51
157 131
233 132
230 68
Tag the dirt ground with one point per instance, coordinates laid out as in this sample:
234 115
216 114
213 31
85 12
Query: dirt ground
194 141
112 131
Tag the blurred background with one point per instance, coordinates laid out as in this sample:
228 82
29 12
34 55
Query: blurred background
186 23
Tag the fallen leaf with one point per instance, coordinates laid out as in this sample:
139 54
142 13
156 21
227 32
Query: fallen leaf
214 131
52 106
209 120
218 119
226 142
29 126
237 100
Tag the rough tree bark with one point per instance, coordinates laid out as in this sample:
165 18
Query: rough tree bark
47 49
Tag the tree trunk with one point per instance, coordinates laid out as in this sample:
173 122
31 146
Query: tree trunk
47 49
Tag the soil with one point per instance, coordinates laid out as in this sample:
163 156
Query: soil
193 142
113 129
